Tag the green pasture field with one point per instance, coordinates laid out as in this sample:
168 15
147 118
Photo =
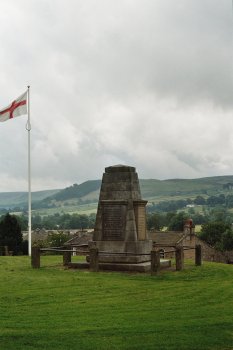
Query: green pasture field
73 209
55 308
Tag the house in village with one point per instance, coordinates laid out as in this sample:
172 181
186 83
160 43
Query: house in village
79 243
166 242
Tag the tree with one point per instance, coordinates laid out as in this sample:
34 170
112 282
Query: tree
57 239
229 201
191 211
36 222
227 240
10 233
177 222
155 221
212 233
219 214
199 200
23 222
215 200
199 219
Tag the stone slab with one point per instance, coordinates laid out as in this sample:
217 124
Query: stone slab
123 251
131 247
141 267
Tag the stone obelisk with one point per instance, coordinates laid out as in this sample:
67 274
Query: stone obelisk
120 228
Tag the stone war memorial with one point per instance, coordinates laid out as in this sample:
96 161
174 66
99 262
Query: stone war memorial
120 239
120 233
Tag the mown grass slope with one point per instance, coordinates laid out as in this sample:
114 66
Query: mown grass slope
53 308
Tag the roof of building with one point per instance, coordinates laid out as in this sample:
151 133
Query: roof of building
82 238
166 238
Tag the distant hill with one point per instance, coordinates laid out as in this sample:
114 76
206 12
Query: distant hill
76 191
181 187
13 199
151 189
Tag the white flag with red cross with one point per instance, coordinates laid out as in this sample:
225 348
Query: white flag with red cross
15 109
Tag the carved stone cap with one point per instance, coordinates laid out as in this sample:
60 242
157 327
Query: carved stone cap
120 168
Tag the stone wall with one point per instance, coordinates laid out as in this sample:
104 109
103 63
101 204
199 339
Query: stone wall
229 256
211 254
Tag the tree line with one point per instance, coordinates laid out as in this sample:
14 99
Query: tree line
211 201
58 221
216 226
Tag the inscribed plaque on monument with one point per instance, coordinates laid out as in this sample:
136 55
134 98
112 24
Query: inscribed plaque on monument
114 218
141 223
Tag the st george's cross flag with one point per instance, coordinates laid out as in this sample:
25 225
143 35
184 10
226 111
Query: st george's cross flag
15 109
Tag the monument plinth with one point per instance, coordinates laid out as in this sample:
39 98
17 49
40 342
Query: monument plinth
120 228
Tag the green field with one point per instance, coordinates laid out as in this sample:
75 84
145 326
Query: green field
80 209
54 308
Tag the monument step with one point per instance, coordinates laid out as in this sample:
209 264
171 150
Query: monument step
140 267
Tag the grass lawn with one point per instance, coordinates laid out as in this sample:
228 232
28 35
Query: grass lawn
54 308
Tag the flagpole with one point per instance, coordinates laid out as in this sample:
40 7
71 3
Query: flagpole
28 128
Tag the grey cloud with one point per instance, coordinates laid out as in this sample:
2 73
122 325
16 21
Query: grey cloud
146 83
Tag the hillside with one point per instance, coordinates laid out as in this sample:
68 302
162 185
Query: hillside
77 191
182 187
13 199
87 193
152 188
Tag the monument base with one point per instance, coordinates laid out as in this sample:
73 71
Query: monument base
141 267
133 252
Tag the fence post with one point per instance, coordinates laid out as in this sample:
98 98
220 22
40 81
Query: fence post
198 255
67 257
35 257
6 250
155 262
94 259
179 258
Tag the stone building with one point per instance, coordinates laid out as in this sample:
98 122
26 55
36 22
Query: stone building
211 254
79 243
167 241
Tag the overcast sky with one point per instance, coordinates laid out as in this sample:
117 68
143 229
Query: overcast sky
147 83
